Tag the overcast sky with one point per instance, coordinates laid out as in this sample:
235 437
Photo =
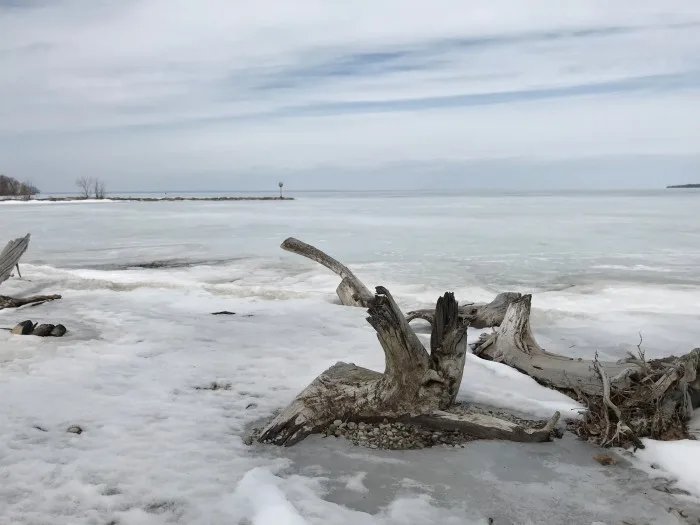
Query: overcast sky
324 94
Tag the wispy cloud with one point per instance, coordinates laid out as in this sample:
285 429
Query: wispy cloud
272 85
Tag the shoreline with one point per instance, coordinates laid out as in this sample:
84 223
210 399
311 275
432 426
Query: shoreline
149 199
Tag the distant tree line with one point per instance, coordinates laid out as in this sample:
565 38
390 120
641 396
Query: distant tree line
91 186
10 187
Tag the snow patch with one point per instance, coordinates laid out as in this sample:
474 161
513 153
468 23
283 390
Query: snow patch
356 482
501 386
44 201
680 459
263 502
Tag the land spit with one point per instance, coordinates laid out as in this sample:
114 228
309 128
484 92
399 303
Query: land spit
166 199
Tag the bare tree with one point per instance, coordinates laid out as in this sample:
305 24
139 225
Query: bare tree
99 189
15 187
85 184
28 190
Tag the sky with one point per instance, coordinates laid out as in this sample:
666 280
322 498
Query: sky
178 95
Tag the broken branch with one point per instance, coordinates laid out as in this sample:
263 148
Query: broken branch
351 291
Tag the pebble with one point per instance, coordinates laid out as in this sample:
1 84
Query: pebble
394 436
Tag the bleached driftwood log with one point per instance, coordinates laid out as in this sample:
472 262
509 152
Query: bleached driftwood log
9 259
626 400
478 315
416 387
35 300
351 291
10 256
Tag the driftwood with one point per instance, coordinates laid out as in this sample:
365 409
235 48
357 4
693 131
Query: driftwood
626 400
416 387
9 259
351 291
36 300
478 315
10 256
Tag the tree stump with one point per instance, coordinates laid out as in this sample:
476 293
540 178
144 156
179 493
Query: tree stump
416 387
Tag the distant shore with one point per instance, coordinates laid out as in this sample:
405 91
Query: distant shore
149 199
683 186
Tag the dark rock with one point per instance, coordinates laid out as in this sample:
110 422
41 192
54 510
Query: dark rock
58 331
224 312
75 429
43 330
23 328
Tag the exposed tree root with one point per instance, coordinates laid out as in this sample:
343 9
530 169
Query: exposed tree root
625 400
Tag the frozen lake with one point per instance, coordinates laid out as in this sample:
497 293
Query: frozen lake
139 281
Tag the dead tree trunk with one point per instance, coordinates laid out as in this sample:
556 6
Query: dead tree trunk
626 400
415 387
478 315
10 256
351 291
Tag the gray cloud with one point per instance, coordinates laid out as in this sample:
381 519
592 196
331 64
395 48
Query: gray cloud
150 93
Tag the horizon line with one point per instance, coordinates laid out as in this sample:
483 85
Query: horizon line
397 190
